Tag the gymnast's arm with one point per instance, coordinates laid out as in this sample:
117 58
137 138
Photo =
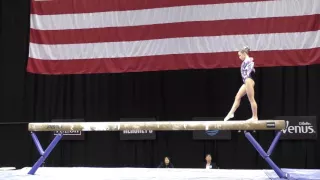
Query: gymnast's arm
250 67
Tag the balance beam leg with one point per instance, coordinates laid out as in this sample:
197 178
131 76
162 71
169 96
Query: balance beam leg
274 143
265 156
45 153
37 143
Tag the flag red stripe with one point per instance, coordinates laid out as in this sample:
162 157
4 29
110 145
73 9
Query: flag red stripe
174 30
173 62
90 6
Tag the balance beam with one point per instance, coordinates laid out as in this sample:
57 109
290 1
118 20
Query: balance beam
161 126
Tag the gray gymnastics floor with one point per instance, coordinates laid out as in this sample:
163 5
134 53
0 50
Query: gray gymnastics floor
48 173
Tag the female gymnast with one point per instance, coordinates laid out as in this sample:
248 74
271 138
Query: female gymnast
247 73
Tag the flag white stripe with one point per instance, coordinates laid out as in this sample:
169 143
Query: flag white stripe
229 11
257 42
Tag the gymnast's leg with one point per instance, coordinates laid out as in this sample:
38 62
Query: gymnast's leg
236 103
249 83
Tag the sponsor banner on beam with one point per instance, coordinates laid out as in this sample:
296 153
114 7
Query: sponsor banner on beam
69 135
299 127
137 134
211 134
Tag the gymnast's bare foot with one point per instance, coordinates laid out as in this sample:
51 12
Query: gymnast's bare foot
229 116
253 119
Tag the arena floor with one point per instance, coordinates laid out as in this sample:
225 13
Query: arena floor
46 173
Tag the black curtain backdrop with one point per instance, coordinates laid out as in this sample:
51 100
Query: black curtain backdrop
173 95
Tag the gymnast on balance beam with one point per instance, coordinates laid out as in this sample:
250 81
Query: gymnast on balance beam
247 72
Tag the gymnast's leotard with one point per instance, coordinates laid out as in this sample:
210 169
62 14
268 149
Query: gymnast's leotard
247 69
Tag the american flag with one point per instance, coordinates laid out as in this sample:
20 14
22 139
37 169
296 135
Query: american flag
113 36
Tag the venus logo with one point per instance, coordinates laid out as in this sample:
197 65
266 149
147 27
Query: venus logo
299 127
302 128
